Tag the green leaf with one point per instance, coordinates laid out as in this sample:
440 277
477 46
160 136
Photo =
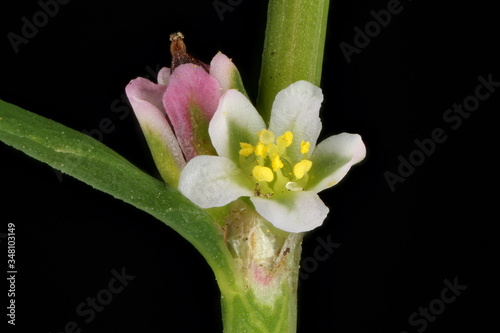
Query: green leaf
293 47
88 160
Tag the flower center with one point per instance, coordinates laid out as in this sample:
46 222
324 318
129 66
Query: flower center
271 168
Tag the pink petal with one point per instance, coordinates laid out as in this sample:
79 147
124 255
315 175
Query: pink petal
141 90
191 99
224 70
146 100
164 76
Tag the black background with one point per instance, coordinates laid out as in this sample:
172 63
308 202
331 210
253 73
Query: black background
396 247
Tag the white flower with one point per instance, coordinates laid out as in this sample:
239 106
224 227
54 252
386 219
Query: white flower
280 168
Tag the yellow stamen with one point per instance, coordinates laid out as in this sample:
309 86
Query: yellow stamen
260 150
266 136
276 163
246 149
285 140
262 173
300 169
304 147
269 160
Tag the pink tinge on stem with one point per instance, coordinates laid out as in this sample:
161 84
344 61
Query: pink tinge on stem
190 100
261 275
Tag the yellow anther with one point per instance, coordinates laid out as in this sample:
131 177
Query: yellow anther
300 169
276 163
304 147
262 173
246 149
285 140
266 136
260 149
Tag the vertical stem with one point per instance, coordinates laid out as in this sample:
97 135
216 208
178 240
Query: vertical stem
267 265
267 260
264 307
293 47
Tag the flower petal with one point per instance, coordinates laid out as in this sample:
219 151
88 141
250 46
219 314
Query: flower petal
236 120
223 69
146 100
333 158
212 181
296 109
294 211
163 76
190 101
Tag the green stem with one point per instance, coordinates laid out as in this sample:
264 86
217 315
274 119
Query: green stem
243 312
267 265
293 47
264 299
